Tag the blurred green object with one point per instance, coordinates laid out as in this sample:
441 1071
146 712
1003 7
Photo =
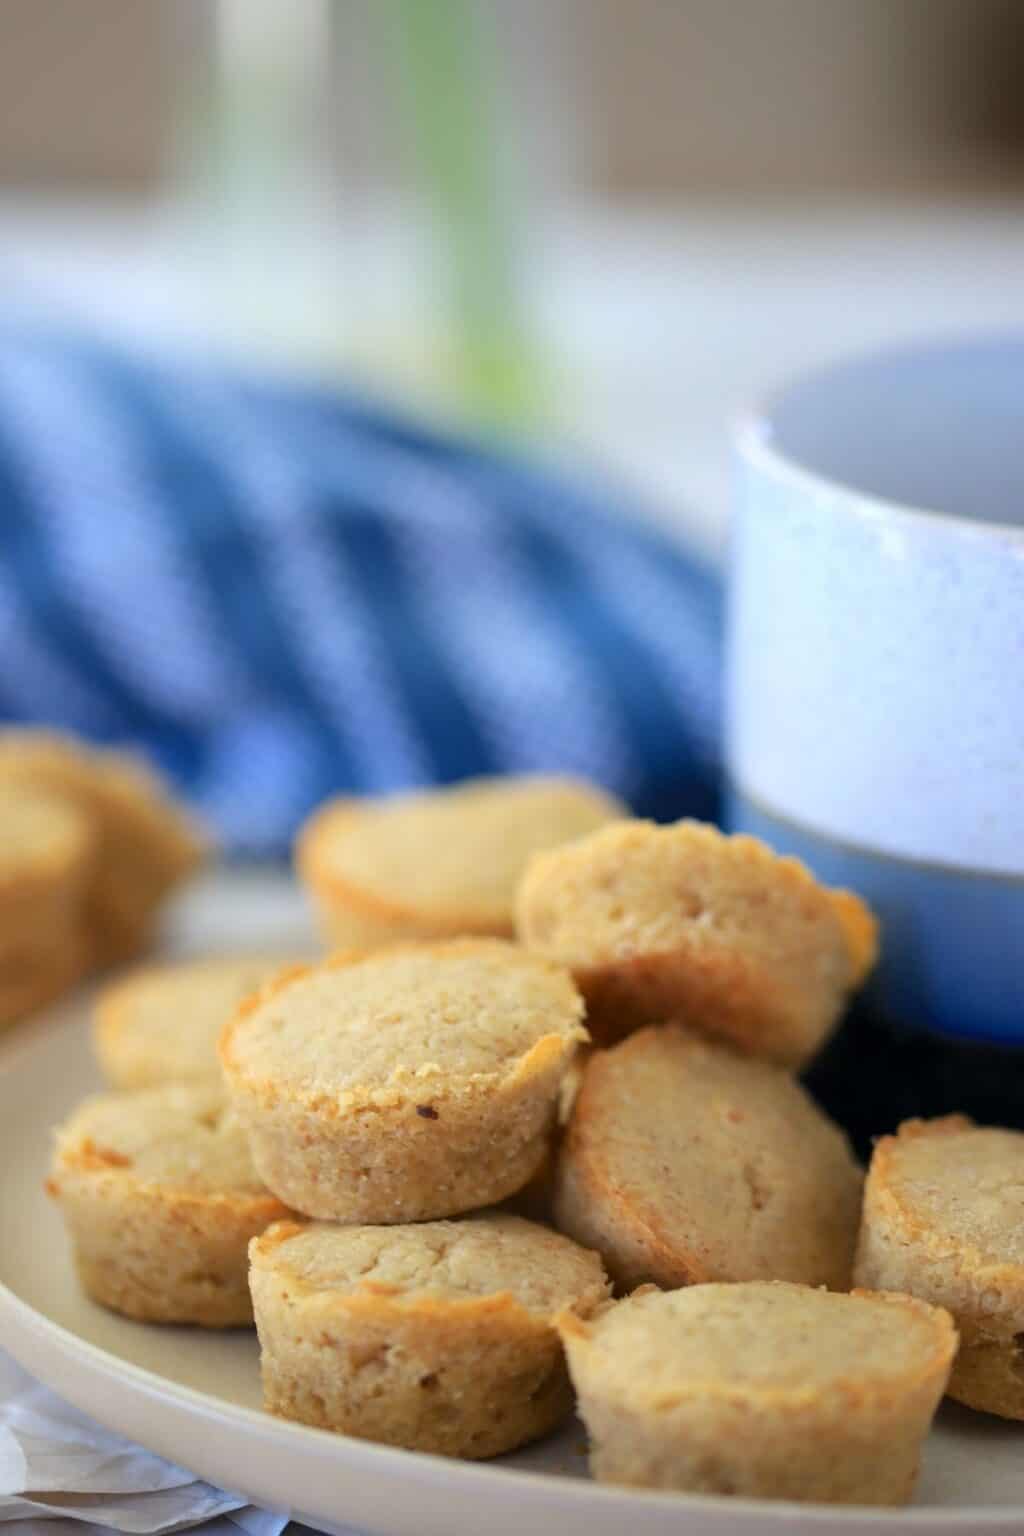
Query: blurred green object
446 83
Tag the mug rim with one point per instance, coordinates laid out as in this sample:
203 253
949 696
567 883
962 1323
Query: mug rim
754 441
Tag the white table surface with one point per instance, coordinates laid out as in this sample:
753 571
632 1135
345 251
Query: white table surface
659 325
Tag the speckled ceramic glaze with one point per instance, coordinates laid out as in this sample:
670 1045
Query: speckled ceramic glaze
876 687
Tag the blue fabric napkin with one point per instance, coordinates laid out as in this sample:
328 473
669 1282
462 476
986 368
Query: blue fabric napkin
279 593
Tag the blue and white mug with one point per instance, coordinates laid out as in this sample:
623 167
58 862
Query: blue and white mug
876 662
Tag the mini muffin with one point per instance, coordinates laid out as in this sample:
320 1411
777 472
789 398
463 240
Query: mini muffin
683 922
766 1390
437 1337
31 979
146 843
684 1162
46 854
162 1024
944 1220
440 863
404 1084
46 857
160 1199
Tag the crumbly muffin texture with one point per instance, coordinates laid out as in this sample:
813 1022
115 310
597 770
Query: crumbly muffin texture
767 1389
406 1084
960 1185
180 1137
443 862
486 1254
162 1024
436 1336
364 1025
683 922
160 1198
943 1220
684 1162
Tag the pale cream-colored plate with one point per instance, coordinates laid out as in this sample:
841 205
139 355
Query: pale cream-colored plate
193 1396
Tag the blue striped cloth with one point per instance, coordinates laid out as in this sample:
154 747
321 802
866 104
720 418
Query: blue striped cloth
279 593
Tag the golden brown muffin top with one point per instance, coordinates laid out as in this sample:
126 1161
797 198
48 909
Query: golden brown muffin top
767 1340
447 856
490 1254
957 1185
179 1138
413 1017
638 888
162 1023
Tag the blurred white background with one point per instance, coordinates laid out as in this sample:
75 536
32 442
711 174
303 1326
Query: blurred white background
599 225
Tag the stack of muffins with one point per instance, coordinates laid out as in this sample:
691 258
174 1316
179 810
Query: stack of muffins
355 1177
90 845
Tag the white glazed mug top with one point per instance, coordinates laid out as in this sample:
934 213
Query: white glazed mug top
936 430
876 677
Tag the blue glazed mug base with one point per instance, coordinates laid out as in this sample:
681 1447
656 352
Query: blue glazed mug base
952 959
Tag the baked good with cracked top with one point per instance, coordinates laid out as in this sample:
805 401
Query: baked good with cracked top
436 1336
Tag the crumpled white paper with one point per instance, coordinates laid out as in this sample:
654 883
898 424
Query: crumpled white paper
58 1467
